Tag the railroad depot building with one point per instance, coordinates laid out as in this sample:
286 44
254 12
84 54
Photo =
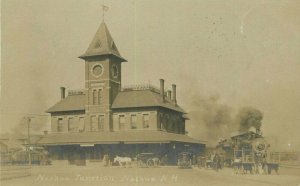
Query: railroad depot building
106 118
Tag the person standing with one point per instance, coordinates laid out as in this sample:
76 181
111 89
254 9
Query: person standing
216 161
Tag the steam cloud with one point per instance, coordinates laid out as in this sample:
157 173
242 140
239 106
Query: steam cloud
213 120
249 117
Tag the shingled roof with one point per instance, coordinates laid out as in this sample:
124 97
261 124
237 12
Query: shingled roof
124 99
138 136
143 98
102 44
70 103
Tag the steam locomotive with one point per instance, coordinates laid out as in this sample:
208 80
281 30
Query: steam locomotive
248 151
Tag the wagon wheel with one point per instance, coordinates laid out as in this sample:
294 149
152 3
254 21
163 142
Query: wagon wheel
150 163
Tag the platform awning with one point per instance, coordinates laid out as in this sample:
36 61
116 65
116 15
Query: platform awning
117 137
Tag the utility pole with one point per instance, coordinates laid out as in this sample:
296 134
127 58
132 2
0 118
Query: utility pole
28 119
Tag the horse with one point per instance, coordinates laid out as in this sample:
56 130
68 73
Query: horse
123 161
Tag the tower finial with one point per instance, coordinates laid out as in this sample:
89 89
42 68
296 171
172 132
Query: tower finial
104 9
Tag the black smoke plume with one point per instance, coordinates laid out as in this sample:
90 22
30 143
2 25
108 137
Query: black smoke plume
212 120
249 117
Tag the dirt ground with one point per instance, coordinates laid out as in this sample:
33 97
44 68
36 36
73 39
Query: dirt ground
98 175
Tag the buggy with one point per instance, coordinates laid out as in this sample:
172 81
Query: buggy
184 160
147 160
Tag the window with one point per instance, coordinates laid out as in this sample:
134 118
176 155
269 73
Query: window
146 120
121 122
72 127
133 122
97 70
94 97
59 125
99 96
101 122
161 122
166 124
81 124
94 123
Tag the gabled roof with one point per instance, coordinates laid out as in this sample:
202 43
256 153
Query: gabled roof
142 98
70 103
102 44
132 136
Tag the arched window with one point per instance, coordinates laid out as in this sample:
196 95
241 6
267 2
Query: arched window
94 97
100 96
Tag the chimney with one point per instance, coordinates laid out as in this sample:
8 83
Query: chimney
174 94
162 89
169 94
62 92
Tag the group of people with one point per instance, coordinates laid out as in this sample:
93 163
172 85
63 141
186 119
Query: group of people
214 161
218 163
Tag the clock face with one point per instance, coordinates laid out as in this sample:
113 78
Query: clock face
114 71
97 70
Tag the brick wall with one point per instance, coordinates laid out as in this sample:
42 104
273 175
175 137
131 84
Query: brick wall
139 119
65 118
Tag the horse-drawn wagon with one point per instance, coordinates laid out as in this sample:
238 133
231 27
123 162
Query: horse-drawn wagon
184 160
147 160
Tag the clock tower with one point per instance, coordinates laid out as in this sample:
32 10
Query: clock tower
102 79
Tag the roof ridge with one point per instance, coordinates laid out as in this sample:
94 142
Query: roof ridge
156 101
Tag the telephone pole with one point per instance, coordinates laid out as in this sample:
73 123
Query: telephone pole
28 120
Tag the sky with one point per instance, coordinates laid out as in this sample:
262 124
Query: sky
245 53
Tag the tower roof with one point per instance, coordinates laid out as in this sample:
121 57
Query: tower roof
102 44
